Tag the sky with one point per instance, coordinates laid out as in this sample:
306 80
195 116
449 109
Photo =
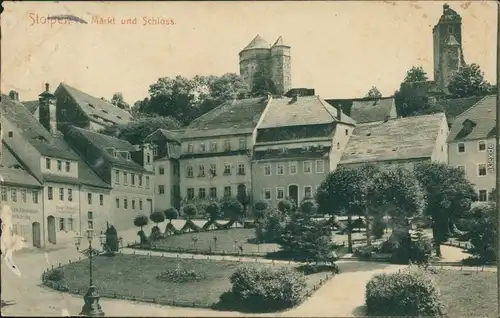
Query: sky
340 49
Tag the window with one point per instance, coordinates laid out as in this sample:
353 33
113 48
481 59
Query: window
242 144
227 145
89 198
483 195
101 199
307 167
338 145
213 170
90 219
70 195
70 224
213 192
132 179
125 203
117 177
161 170
320 166
203 147
61 194
227 169
133 204
189 171
23 195
267 170
267 194
461 168
190 148
201 193
140 181
13 195
4 194
293 167
34 194
125 178
59 165
241 169
201 171
147 182
461 147
148 158
213 146
280 169
11 134
481 146
161 189
128 156
190 193
481 169
49 193
68 168
227 191
140 205
280 193
347 132
61 224
450 29
155 151
117 200
47 163
308 191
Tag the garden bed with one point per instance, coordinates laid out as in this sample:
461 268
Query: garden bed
135 277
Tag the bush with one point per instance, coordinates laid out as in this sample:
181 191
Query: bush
308 207
232 208
213 211
155 233
378 228
271 227
141 221
407 293
260 208
266 288
483 232
286 206
157 217
313 268
412 246
111 239
189 210
171 214
365 252
55 275
179 275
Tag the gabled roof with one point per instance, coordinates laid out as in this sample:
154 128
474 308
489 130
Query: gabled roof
307 110
95 108
370 110
13 172
168 134
103 142
31 105
454 107
257 43
395 139
233 117
483 114
33 132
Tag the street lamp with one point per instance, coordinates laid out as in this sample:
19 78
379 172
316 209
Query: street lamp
91 308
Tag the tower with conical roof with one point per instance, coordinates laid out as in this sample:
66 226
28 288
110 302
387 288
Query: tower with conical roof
448 53
273 63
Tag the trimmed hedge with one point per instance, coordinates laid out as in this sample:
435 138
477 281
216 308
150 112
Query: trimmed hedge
406 293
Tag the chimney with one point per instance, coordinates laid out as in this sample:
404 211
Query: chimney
47 110
14 95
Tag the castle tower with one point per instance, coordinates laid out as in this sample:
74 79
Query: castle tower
281 69
254 58
448 53
47 110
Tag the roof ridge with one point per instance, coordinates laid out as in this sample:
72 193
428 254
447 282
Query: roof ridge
323 105
471 107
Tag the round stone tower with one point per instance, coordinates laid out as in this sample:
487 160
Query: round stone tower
281 68
254 57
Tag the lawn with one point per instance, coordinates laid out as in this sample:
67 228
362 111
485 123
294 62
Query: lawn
468 294
134 276
233 241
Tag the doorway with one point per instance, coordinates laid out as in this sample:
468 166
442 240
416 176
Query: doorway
35 231
51 228
293 193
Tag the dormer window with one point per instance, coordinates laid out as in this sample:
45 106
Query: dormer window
128 156
190 148
104 111
40 138
115 153
118 117
468 126
92 106
202 147
111 151
155 151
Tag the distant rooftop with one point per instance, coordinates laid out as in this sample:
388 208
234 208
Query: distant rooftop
482 115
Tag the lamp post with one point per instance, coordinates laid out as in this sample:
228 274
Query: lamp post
91 308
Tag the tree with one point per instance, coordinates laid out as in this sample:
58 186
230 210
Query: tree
157 217
138 129
242 197
213 211
483 232
262 84
111 240
469 81
411 99
286 205
118 100
449 196
374 93
141 221
308 207
260 209
271 226
171 214
190 210
232 208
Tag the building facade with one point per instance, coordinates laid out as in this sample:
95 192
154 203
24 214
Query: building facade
471 145
259 58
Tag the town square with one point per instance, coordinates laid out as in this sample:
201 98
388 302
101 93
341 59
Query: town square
243 163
